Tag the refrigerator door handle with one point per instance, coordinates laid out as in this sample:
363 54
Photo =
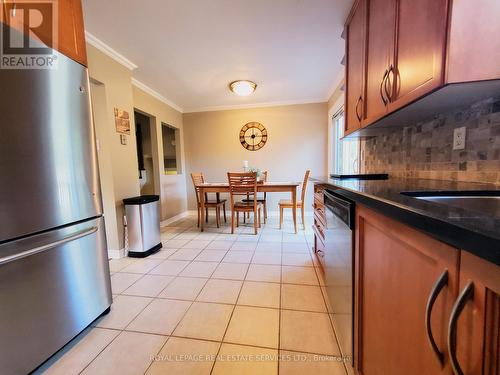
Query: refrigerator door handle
39 249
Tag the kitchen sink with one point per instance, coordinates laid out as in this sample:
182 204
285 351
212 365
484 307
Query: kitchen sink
484 202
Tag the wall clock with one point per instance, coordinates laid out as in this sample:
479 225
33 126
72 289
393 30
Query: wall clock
253 136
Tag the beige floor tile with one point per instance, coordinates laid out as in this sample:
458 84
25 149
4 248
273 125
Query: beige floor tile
295 238
243 246
185 288
180 356
254 293
262 257
175 244
221 291
291 247
238 257
341 296
211 255
269 247
79 352
299 275
247 237
187 235
302 297
219 245
260 272
246 360
226 236
271 237
142 265
185 254
342 326
297 259
293 363
161 316
116 265
205 321
197 244
207 236
231 271
121 281
123 310
169 267
162 254
199 269
149 285
130 353
254 326
308 332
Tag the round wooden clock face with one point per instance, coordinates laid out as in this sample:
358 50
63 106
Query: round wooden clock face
253 136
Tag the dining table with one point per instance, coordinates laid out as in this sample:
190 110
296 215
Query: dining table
262 187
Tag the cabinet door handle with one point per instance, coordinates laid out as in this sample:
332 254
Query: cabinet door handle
441 282
466 294
357 105
382 85
388 88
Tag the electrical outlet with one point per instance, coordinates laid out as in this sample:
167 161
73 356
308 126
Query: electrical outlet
459 138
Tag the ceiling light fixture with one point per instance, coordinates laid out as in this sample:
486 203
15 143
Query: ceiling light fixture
242 87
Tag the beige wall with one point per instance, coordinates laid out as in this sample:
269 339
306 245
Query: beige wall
112 87
172 187
297 141
121 170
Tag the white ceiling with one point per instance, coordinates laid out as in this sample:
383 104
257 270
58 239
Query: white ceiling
188 51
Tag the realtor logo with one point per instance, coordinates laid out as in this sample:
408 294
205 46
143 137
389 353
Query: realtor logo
29 35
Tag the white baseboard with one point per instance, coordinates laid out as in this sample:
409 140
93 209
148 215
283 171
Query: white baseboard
193 213
116 254
173 219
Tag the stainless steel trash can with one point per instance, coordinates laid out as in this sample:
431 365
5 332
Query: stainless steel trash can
143 225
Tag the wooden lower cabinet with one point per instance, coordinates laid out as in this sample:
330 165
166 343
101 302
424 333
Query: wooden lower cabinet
396 271
478 323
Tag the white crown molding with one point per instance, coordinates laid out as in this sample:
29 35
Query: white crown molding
336 83
104 48
256 105
156 94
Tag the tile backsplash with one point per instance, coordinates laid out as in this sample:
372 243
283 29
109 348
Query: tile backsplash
424 150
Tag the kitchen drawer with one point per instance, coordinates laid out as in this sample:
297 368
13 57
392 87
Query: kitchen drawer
319 219
319 232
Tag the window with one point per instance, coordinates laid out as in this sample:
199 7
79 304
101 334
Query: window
171 149
345 151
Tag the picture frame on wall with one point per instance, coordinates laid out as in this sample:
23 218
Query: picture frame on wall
122 121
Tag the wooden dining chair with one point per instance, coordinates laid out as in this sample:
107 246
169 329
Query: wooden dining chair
284 203
243 184
216 204
262 199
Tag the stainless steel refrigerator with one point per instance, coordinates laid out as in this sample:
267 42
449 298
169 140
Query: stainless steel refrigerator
54 273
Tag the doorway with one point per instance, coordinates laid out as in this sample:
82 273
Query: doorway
145 153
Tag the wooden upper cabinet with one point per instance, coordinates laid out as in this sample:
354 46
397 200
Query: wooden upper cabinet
477 318
380 49
419 56
355 58
474 45
397 270
70 29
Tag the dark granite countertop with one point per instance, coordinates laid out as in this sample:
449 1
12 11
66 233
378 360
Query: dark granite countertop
464 228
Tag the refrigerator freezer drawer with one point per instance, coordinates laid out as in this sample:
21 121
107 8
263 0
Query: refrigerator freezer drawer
52 286
47 149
